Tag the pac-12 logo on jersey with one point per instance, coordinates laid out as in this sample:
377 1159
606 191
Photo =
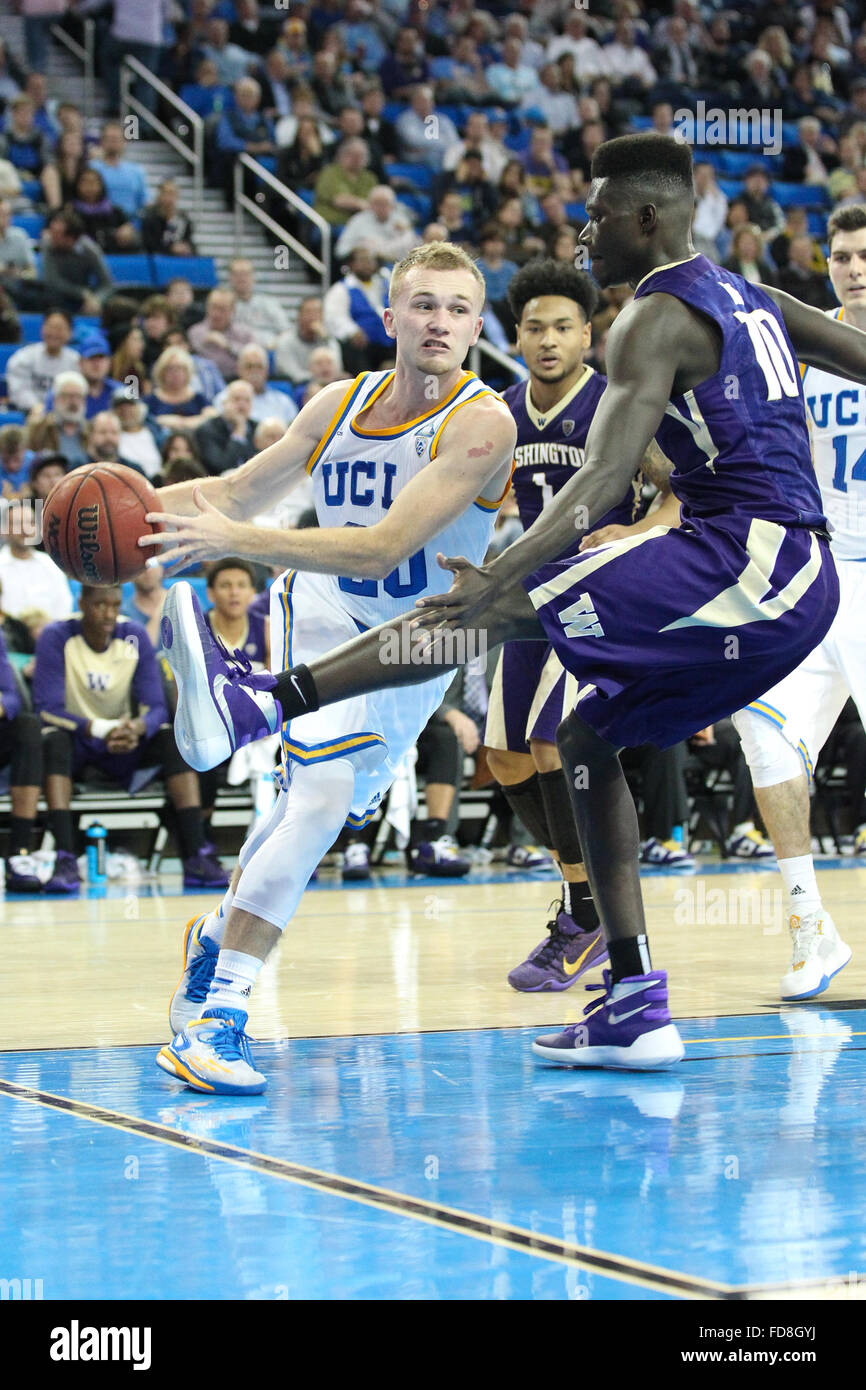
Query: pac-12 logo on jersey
567 427
423 439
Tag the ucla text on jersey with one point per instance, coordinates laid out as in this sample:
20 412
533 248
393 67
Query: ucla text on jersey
357 473
837 425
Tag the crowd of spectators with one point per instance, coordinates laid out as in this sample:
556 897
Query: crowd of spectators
401 122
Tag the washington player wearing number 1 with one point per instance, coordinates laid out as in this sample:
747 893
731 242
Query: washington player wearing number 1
403 464
553 303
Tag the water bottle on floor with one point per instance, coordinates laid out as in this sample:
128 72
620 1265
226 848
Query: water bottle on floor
97 837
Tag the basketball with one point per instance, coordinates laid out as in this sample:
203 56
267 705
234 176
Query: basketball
92 521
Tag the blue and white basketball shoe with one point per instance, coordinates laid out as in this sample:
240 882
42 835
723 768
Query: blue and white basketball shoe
818 953
199 963
212 1054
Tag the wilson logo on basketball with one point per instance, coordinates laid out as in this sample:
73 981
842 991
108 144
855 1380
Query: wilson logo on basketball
88 544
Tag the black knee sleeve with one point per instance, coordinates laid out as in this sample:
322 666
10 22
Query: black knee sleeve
526 802
26 760
560 816
57 753
439 753
162 749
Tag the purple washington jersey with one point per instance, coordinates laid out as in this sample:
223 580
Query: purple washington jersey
531 692
740 439
673 629
551 445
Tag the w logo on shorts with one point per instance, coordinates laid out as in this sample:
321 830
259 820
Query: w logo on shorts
580 619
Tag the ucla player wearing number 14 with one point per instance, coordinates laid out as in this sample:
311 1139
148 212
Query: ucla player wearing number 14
784 731
404 464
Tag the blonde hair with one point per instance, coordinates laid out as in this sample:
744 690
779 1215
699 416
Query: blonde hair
171 355
434 255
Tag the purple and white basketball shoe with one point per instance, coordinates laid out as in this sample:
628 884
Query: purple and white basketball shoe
221 705
629 1028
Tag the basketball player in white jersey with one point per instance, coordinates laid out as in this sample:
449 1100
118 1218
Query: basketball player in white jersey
783 732
404 464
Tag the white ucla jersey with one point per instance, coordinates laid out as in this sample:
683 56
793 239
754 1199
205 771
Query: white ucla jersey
356 475
836 412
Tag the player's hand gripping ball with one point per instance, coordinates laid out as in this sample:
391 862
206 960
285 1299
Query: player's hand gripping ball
92 520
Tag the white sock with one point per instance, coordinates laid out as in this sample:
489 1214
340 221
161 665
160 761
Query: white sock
233 980
801 885
214 925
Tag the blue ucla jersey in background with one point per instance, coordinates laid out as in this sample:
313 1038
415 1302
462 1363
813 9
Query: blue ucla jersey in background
739 440
551 447
837 420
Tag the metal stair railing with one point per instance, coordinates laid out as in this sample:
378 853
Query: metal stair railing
85 54
194 154
320 264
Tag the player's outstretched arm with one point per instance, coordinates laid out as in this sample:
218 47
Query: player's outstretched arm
475 454
268 476
640 366
820 341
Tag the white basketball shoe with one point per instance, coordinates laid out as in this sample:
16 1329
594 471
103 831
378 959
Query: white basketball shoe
818 954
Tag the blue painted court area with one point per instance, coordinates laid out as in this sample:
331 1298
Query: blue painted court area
443 1165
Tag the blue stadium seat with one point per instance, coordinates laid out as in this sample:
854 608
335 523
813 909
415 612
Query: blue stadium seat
6 351
84 323
418 175
199 270
418 204
32 190
576 212
131 270
31 327
307 195
789 195
732 188
817 224
12 417
736 162
198 584
392 109
640 123
30 222
518 142
702 155
790 133
287 387
452 112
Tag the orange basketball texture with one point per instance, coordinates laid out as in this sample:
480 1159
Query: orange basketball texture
92 521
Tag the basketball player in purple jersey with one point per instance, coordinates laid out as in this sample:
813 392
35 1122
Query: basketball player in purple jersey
669 630
552 304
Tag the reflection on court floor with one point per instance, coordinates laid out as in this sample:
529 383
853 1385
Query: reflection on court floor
435 1161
